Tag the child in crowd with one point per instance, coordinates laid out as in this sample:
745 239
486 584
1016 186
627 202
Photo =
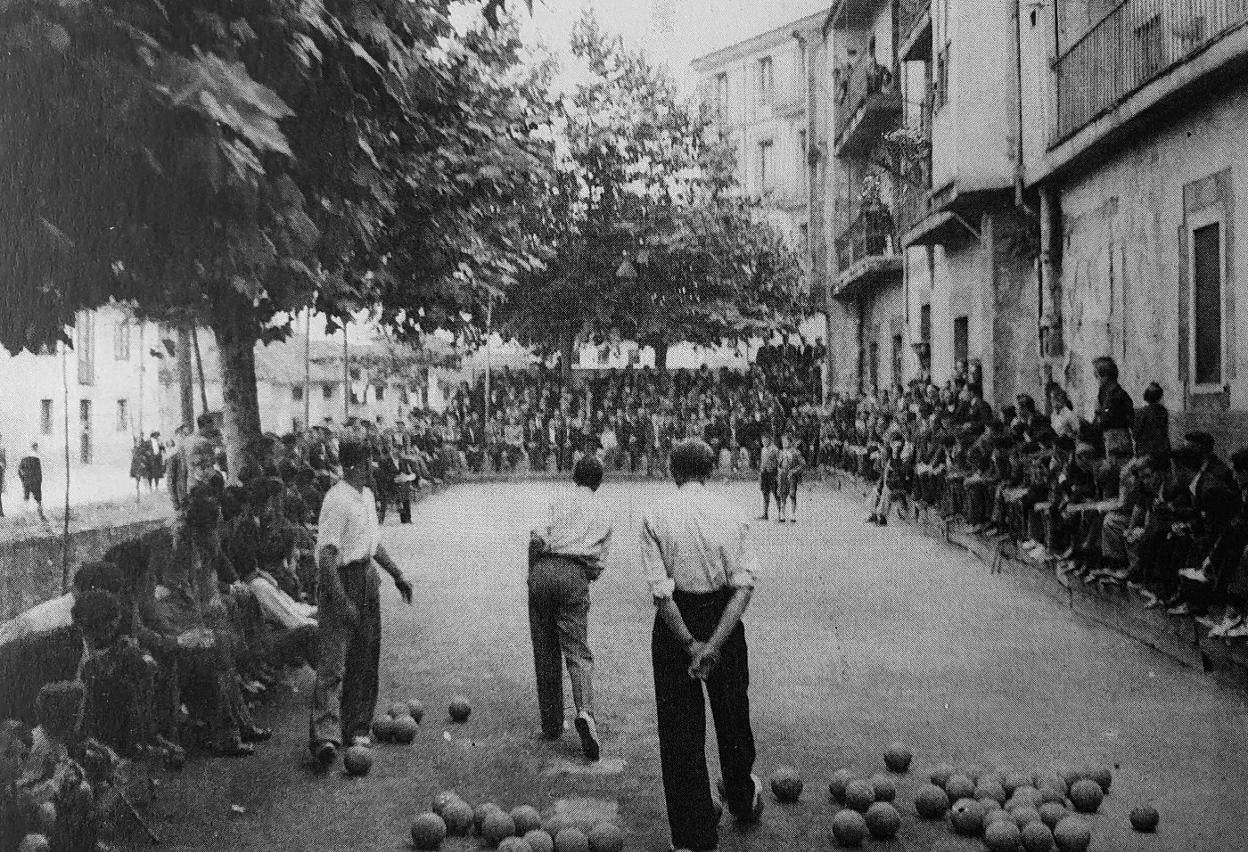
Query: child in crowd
791 465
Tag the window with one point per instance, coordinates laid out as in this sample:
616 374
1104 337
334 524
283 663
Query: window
355 374
379 393
896 360
327 391
84 346
296 393
121 340
801 150
803 231
1150 38
45 417
765 169
873 361
941 95
721 93
925 336
84 429
1206 304
766 80
961 340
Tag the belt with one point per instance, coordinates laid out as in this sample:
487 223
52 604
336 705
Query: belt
358 564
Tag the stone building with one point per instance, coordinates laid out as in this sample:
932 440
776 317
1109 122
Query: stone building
99 393
1136 115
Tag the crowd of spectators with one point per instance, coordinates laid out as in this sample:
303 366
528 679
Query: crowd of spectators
1107 499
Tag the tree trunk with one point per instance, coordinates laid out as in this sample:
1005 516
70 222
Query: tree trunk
660 356
186 378
236 344
567 346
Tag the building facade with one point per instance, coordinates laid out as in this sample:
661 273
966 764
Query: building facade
99 395
1139 110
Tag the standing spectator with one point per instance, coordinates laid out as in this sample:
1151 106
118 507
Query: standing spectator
790 478
349 635
1115 413
768 471
30 472
155 461
700 564
139 464
1152 427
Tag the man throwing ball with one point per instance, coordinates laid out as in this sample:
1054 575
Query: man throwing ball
566 552
348 542
700 564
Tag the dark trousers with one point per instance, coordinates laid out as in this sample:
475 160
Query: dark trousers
682 722
344 696
558 622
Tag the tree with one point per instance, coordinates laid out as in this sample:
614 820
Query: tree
234 161
642 179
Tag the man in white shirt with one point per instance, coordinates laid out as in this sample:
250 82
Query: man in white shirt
566 553
348 542
701 565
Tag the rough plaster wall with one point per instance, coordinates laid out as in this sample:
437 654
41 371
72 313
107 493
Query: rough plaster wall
1128 214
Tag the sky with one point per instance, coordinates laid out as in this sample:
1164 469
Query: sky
671 32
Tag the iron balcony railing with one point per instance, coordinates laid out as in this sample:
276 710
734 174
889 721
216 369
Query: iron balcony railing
872 234
1137 42
857 84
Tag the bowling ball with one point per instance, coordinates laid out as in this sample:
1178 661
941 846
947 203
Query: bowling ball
1086 795
540 841
1037 837
428 831
1051 813
34 843
883 821
357 760
931 802
571 840
514 844
605 837
997 815
1145 819
398 709
1025 815
496 826
960 787
480 812
458 817
1002 837
837 785
1073 834
849 828
416 710
967 817
383 729
1101 774
526 819
441 800
1011 781
885 789
941 775
403 730
786 784
897 757
1028 795
859 795
459 708
990 789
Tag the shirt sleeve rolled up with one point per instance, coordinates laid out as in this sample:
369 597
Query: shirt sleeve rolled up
662 586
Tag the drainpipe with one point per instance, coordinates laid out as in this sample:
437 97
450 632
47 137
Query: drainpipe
1019 169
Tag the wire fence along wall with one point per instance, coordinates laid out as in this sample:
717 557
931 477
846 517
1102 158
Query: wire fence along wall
1138 41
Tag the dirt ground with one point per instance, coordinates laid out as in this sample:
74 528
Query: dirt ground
859 637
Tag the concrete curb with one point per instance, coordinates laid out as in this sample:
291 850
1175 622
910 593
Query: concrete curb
1121 610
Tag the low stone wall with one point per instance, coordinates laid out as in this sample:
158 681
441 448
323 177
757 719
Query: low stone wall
30 570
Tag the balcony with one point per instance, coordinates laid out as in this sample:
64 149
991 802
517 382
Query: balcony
868 104
1139 42
854 14
867 253
914 28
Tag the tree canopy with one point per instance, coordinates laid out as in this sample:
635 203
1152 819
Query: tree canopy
641 177
230 162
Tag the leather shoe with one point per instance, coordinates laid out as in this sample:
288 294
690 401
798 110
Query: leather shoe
252 734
